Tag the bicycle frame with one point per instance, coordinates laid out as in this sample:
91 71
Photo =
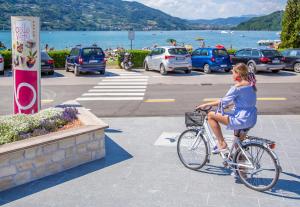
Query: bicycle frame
208 136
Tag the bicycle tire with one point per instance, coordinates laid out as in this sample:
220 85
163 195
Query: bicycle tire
242 175
183 146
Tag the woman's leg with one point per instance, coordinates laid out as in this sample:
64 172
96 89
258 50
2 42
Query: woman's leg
213 120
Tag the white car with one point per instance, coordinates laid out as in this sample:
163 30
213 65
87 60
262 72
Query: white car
168 58
1 65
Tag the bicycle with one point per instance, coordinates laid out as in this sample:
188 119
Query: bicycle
252 159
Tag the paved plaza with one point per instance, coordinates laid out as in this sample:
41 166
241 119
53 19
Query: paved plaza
138 171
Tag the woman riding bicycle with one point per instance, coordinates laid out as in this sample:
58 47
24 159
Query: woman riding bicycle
244 113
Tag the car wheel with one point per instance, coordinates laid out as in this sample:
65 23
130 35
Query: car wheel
227 70
163 69
252 68
51 72
188 71
102 72
76 71
146 66
297 67
2 72
66 67
206 69
275 71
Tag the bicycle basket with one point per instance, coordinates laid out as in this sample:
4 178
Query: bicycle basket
194 118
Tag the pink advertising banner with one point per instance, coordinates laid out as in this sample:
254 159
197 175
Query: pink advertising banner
26 64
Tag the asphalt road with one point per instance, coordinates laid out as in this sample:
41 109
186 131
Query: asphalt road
158 95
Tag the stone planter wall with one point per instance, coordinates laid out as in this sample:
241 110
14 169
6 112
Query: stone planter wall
37 157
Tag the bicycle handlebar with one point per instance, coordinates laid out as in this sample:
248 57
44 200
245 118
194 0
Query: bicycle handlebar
206 109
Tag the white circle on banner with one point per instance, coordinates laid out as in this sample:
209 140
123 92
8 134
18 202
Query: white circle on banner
33 99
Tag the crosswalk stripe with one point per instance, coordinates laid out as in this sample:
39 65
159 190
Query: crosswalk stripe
123 87
110 99
113 94
116 83
125 77
124 80
117 90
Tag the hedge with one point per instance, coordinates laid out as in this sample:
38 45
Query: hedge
138 57
231 51
59 57
7 58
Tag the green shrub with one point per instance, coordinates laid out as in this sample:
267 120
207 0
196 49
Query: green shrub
7 58
138 57
59 57
231 51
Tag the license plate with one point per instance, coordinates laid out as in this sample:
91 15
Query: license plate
276 61
223 66
93 61
43 63
180 58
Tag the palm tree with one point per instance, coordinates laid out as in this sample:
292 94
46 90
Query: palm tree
172 41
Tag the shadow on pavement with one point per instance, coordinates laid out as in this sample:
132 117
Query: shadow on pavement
215 170
287 188
110 130
114 154
280 73
55 75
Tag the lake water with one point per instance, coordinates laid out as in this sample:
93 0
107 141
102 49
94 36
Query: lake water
114 39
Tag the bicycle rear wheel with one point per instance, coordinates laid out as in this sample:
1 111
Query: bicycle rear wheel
192 149
265 172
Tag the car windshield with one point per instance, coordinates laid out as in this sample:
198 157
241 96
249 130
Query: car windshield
178 51
88 52
270 53
220 52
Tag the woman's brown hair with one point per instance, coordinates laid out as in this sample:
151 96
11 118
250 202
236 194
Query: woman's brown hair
242 70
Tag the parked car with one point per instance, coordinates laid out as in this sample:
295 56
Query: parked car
1 65
86 59
168 58
292 59
211 59
47 63
259 59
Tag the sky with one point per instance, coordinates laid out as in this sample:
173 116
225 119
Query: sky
211 9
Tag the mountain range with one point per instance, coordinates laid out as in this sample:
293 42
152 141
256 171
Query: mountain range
97 15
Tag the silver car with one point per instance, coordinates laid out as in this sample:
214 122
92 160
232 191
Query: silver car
169 58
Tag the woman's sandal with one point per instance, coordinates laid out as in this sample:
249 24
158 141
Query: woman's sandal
216 150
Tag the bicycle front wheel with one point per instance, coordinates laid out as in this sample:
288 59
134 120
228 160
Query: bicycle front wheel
192 149
257 167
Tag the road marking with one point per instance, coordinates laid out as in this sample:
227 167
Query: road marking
107 83
159 100
111 99
144 87
117 90
168 139
259 99
124 77
124 80
113 94
45 101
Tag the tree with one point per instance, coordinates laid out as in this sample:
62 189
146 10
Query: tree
290 35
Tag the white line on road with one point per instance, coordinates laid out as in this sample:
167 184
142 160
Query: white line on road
113 94
141 83
123 77
124 80
117 90
122 87
110 99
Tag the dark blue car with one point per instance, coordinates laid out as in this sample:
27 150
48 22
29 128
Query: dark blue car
211 59
86 59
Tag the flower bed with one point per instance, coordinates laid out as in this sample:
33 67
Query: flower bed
21 126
